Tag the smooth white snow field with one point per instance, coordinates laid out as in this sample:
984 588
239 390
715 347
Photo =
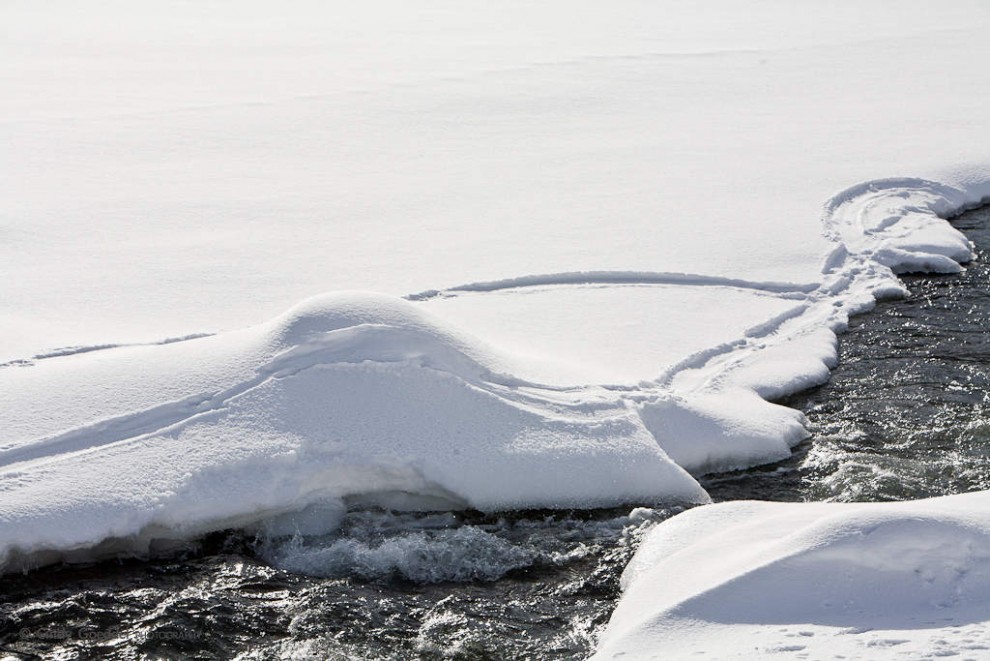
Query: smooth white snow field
263 260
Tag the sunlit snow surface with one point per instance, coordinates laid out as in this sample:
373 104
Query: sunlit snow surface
600 235
750 580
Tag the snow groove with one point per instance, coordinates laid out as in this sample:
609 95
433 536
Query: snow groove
785 289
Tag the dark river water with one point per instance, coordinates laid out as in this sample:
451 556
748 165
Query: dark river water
904 416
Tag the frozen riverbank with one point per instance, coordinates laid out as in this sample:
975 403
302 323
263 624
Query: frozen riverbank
903 418
368 397
600 239
585 324
556 575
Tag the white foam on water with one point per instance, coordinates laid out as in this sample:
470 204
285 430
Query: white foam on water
462 554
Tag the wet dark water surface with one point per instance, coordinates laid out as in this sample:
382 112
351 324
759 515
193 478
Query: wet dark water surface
904 416
470 586
906 413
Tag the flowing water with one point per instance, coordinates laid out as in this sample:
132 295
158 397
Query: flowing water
906 413
467 586
904 416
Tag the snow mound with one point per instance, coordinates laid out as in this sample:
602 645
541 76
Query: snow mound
347 395
749 579
724 431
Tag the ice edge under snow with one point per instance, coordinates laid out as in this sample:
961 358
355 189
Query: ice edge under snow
354 395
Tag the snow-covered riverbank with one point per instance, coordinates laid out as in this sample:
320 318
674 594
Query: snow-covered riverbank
564 313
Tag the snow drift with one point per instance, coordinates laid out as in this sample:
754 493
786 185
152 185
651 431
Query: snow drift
748 580
346 395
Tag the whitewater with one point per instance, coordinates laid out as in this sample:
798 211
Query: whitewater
266 264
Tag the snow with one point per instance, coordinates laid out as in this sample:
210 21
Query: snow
346 395
160 163
599 238
547 326
747 580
